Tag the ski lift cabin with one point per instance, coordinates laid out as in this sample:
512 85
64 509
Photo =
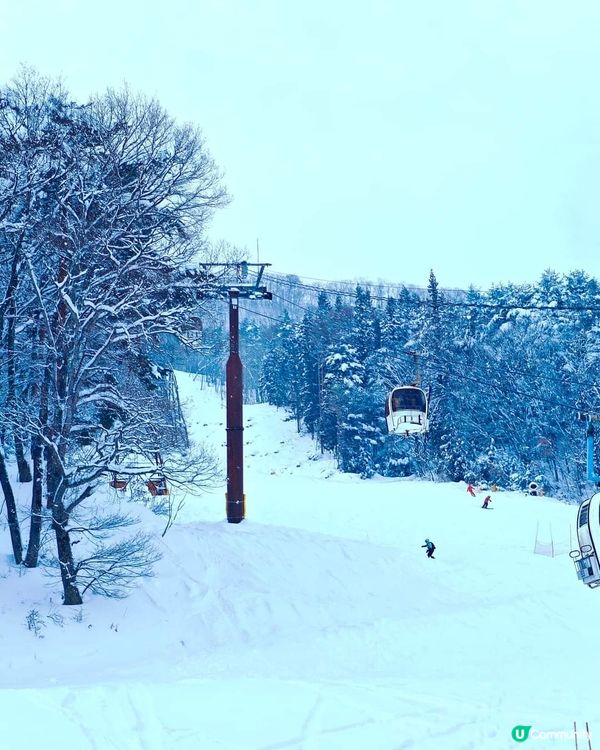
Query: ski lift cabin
406 410
588 539
118 482
157 486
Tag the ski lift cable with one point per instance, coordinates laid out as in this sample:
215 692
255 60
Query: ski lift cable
447 303
440 364
408 287
278 320
443 366
442 303
443 370
262 315
528 374
571 381
284 278
289 302
501 389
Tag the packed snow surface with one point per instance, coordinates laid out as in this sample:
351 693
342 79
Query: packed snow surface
316 624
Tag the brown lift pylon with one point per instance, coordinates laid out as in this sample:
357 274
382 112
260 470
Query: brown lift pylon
235 498
234 284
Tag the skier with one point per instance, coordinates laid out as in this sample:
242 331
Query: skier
470 490
486 502
430 548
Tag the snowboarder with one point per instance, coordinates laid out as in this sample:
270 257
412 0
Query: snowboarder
486 502
470 490
430 548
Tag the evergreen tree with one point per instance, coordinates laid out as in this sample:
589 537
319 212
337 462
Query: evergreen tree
365 334
316 337
281 379
342 372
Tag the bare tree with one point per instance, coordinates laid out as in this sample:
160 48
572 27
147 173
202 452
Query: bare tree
122 194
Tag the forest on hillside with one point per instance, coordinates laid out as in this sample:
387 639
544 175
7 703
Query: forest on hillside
509 368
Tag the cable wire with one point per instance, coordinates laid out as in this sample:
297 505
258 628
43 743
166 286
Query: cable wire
441 303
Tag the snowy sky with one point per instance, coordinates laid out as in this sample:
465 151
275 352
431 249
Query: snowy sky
359 140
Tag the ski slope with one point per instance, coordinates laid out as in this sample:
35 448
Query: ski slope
317 624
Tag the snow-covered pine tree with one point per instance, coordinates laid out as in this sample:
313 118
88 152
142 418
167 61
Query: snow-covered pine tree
281 379
316 338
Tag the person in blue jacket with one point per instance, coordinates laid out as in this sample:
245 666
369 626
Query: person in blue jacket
430 548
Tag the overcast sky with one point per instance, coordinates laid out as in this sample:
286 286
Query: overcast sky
364 140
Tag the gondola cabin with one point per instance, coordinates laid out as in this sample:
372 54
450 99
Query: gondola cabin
406 411
118 483
588 539
157 486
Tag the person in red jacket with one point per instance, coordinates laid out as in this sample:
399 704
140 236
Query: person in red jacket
470 490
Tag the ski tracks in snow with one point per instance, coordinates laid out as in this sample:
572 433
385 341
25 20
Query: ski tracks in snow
343 717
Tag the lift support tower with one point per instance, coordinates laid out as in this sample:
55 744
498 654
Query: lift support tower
235 284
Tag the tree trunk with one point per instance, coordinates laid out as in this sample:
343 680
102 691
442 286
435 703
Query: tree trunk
35 526
24 474
11 512
68 573
61 368
24 470
37 457
60 518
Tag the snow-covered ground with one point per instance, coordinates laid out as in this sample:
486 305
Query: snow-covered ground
317 624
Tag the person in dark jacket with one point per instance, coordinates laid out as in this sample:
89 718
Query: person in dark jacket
430 546
486 502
